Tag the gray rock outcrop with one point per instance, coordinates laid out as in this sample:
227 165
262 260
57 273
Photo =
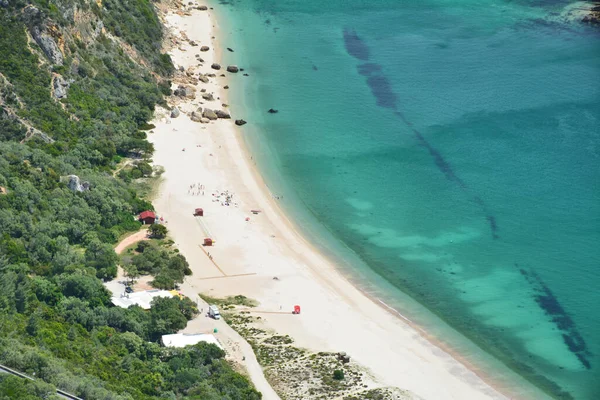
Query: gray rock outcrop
203 78
210 114
40 31
175 112
208 96
75 184
59 86
233 68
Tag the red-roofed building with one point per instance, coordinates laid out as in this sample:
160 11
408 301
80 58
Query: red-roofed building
147 217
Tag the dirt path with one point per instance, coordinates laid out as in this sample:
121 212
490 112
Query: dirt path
237 348
125 243
131 239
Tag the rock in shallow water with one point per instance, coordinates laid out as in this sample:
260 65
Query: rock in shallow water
240 122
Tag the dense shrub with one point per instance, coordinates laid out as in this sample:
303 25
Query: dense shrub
167 266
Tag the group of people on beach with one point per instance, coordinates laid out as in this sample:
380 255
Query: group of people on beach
196 189
228 198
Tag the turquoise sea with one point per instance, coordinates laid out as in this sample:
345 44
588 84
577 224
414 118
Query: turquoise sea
447 153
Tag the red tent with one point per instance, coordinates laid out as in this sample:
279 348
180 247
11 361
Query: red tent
147 217
198 212
208 242
296 310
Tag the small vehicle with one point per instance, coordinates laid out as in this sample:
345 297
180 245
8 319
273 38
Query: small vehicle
128 289
213 312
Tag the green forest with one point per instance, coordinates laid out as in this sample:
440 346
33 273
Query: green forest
79 81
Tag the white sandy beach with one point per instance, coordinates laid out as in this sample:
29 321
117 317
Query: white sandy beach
335 316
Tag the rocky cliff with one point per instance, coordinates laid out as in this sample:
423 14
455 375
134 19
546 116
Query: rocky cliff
50 49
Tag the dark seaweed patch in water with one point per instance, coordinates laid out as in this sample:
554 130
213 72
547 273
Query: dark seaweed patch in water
382 90
551 306
492 221
386 98
355 46
368 68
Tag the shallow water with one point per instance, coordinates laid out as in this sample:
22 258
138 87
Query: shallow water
453 146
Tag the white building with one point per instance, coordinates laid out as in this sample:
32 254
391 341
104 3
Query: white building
142 299
188 339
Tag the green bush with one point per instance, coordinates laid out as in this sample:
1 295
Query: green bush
158 231
338 374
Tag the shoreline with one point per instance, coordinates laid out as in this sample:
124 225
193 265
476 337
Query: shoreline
471 382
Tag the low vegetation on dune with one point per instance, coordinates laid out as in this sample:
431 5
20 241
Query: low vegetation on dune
79 80
296 373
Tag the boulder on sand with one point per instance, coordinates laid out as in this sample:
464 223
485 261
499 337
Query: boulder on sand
185 91
222 114
240 122
232 68
204 48
202 8
196 116
210 114
208 96
216 66
203 78
175 112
